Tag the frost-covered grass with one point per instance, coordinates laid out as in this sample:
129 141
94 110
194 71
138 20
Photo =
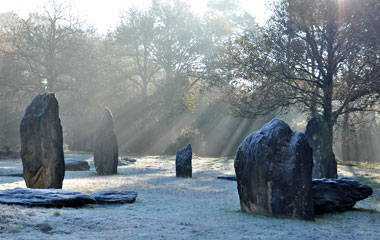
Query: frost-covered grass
172 208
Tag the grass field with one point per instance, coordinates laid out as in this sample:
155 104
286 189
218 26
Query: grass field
172 208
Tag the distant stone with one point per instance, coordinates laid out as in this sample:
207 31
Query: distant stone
121 163
183 162
324 163
229 178
337 195
42 143
56 198
126 161
129 160
273 167
7 153
44 227
76 164
106 153
112 197
11 173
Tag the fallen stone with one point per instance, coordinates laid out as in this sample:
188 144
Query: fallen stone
183 162
42 143
44 227
9 154
58 198
11 174
106 153
337 195
76 164
126 161
121 163
112 197
273 167
324 162
229 178
129 160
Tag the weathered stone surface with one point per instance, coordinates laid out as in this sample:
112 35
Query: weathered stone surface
324 163
337 195
183 162
45 197
76 164
106 153
58 198
42 143
273 167
111 197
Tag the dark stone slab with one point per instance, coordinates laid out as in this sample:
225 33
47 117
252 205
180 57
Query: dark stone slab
42 143
76 164
58 198
9 154
126 161
106 153
229 178
112 197
45 197
324 163
11 174
183 162
273 167
337 195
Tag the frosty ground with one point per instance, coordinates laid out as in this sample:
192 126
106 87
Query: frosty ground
167 207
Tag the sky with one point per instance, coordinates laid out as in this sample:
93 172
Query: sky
104 14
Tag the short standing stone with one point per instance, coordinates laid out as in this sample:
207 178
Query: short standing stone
76 164
183 162
273 168
324 163
42 143
106 153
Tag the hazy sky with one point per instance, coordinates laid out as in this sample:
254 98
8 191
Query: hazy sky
104 14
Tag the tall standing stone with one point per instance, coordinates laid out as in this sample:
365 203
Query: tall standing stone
324 162
106 151
183 162
42 143
273 168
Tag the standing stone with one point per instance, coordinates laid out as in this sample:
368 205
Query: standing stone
106 153
273 168
324 163
42 143
183 162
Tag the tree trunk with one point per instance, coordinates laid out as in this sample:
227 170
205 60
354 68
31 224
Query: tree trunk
330 165
345 139
376 140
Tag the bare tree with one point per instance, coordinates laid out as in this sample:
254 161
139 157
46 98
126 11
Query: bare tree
321 56
49 44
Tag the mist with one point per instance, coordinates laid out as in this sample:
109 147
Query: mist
166 72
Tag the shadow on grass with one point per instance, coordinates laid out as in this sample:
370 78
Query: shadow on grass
365 210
